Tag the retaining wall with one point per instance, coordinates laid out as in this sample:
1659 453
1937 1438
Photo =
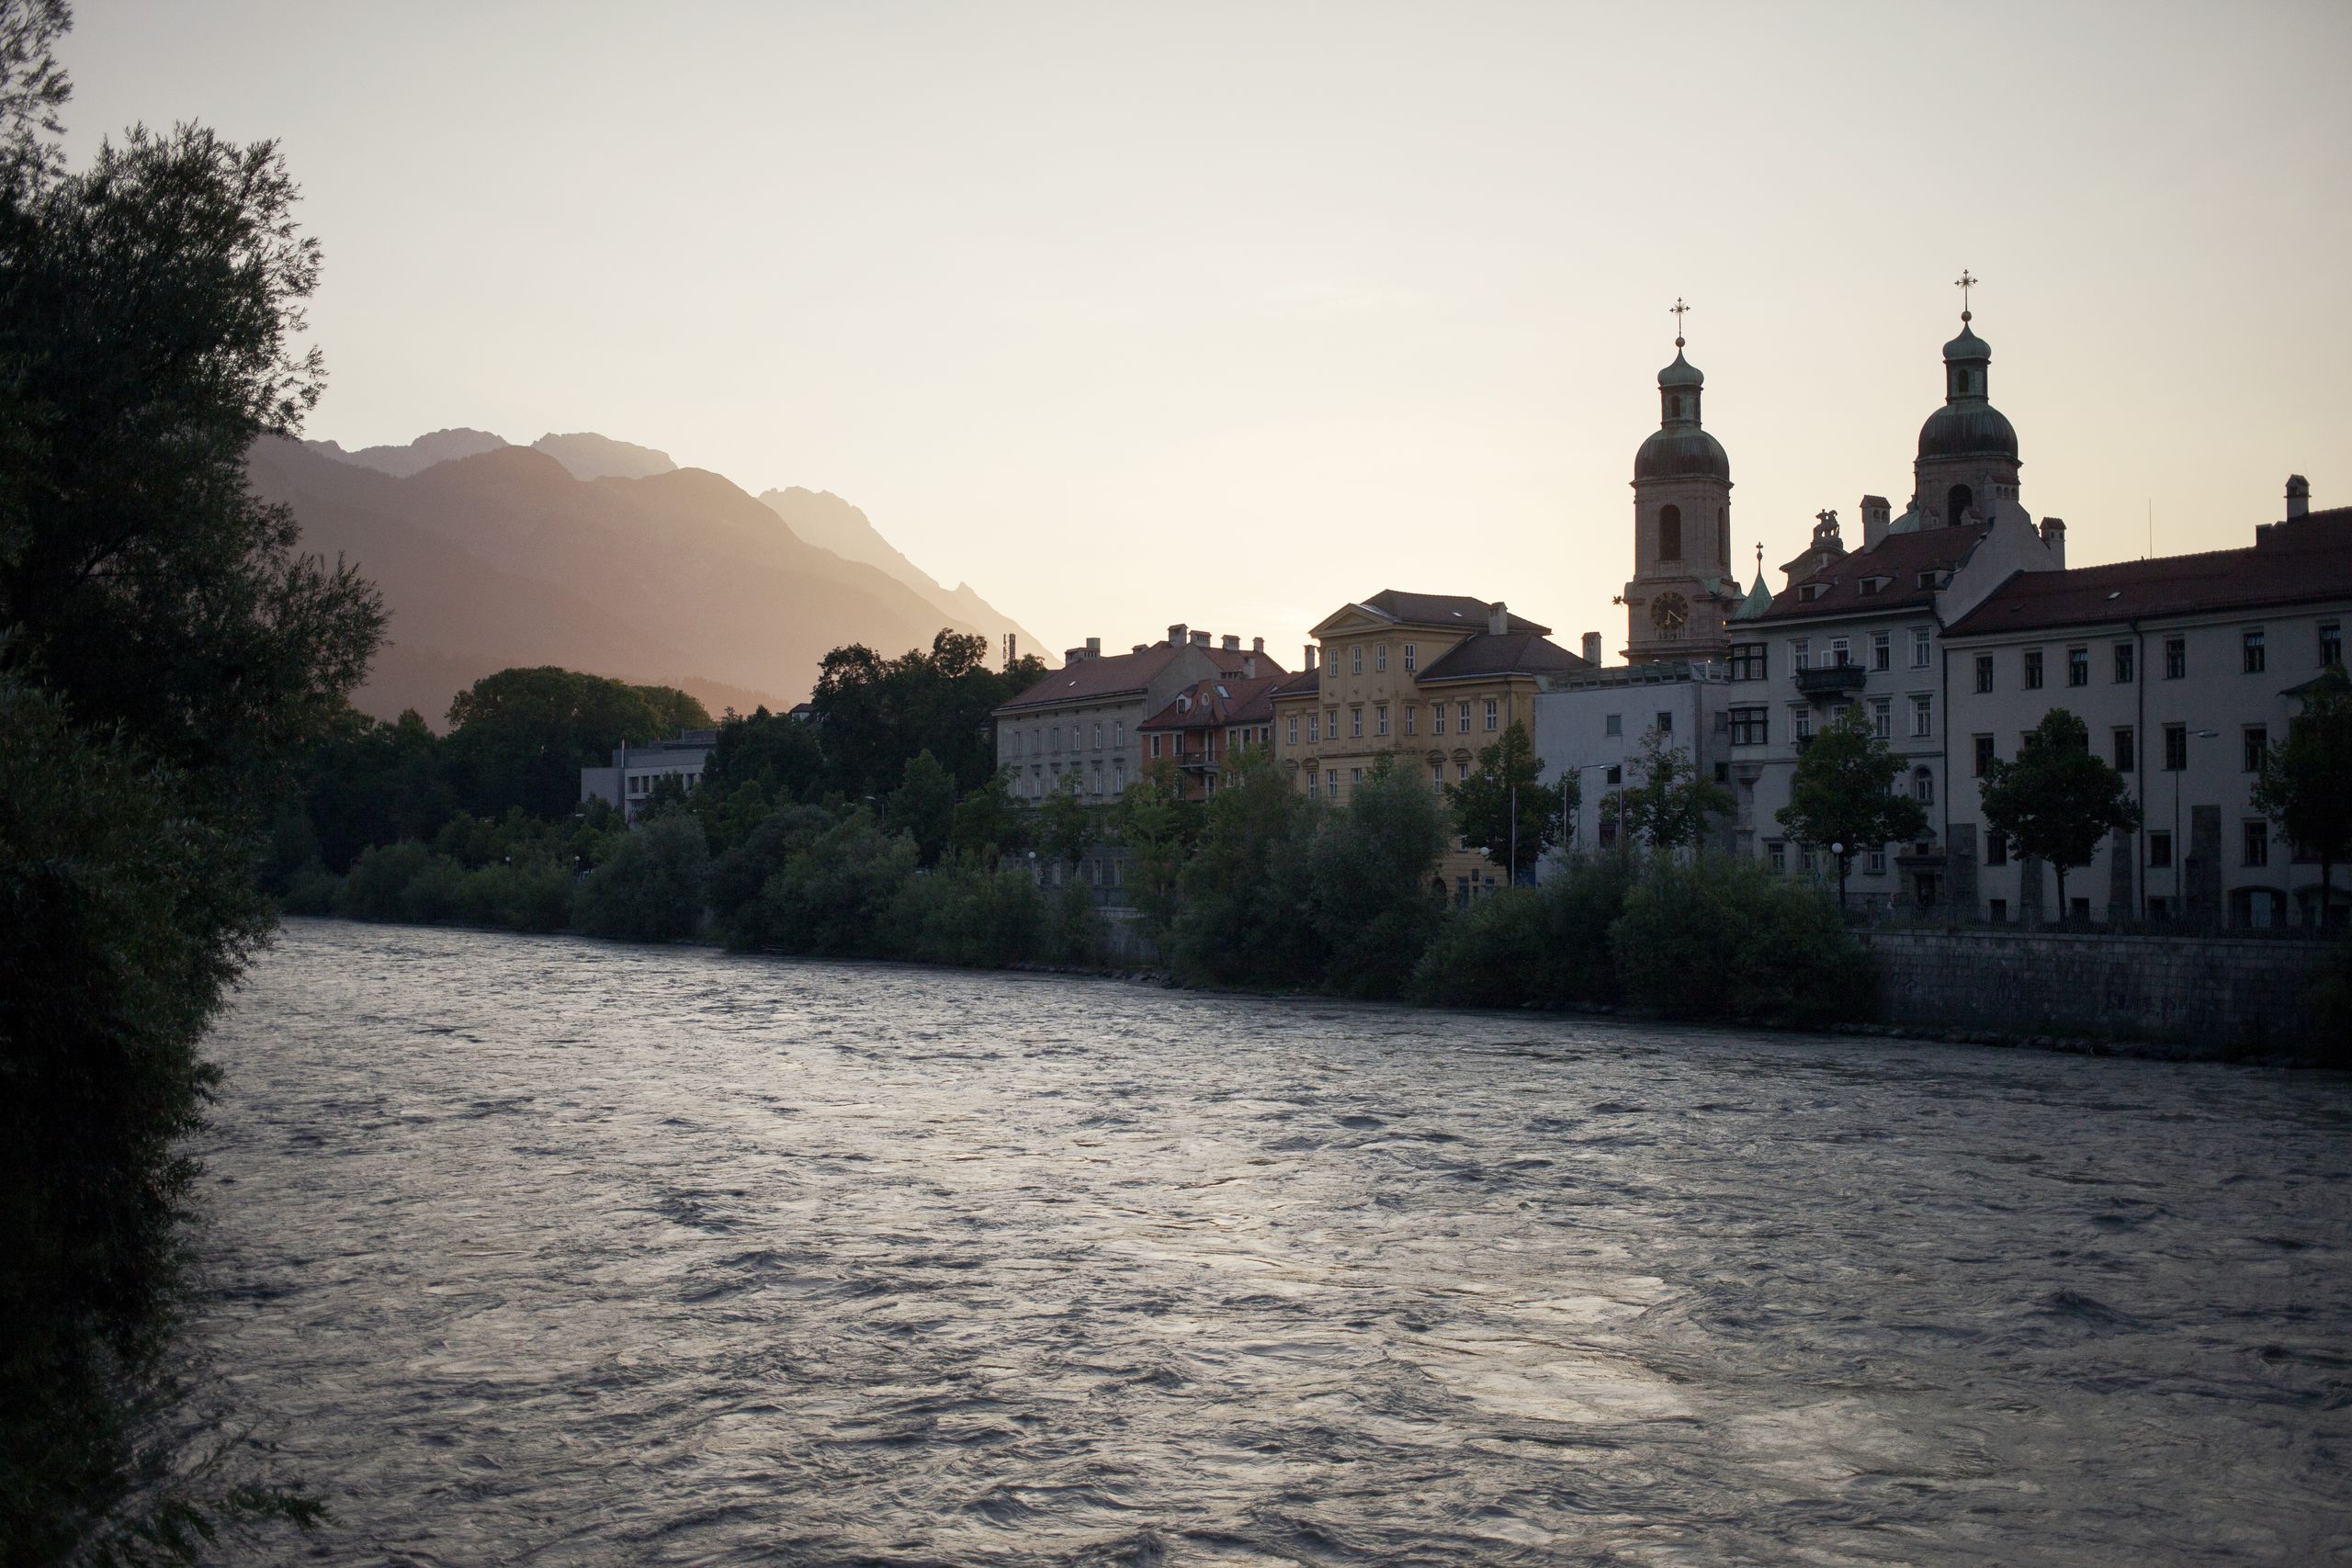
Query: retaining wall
2216 992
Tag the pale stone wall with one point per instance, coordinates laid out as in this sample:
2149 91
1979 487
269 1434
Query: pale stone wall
2218 993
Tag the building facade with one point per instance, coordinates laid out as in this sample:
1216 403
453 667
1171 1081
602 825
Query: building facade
1206 729
628 783
1597 725
1080 727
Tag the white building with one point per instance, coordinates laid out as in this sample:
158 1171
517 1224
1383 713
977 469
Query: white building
628 783
1596 724
2184 669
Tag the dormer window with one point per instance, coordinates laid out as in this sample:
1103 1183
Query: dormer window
1874 584
1932 578
1811 591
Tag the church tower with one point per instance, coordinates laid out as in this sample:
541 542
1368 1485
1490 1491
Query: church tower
1968 450
1683 589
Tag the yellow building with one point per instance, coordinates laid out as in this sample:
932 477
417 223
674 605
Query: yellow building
1431 679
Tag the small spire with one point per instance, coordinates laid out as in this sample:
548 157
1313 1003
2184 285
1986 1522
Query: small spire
1964 283
1678 310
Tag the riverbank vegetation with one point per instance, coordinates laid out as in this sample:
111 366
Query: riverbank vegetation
167 660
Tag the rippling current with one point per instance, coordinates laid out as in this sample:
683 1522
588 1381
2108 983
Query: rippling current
539 1250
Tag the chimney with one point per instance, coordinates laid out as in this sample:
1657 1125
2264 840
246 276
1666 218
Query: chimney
1232 643
1877 519
2299 497
2053 538
1497 619
1140 647
1310 658
1592 648
1257 645
1249 666
1094 647
1074 654
1176 635
1200 640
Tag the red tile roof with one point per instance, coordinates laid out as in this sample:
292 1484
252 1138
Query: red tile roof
1127 674
1218 703
1900 558
2289 563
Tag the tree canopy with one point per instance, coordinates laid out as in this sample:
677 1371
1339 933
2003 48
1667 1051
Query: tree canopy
1842 797
1501 807
520 737
2306 783
2056 799
1666 803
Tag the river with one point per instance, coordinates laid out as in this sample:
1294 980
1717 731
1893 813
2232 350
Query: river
544 1250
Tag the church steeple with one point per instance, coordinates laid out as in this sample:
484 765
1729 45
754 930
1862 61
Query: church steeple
1967 461
1682 572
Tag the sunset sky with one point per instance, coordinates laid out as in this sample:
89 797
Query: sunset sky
1230 314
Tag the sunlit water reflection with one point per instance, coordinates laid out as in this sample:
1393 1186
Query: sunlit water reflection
543 1250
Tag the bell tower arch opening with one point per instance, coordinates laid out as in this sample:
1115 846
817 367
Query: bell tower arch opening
1669 532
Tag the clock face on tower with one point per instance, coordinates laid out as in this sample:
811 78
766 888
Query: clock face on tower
1668 611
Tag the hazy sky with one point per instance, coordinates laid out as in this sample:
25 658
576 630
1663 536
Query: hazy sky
1230 314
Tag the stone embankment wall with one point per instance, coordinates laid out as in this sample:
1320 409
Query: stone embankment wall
2215 992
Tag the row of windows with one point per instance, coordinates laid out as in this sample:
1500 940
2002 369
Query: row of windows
1380 658
1234 740
1747 660
1328 722
2254 746
2254 846
2253 658
1092 783
1050 737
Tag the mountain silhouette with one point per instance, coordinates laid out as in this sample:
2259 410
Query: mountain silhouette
440 446
503 558
828 522
589 455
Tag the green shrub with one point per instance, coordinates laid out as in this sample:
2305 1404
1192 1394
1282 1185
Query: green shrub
532 898
968 910
738 875
834 896
436 895
1720 938
652 889
310 890
372 889
1546 946
1370 887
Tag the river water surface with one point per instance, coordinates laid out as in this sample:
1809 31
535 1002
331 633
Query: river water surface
540 1251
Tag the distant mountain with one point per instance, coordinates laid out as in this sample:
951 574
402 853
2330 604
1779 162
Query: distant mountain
503 558
825 520
593 456
441 447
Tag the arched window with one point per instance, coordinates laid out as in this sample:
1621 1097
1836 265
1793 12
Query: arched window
1722 535
1923 787
1957 502
1674 406
1669 532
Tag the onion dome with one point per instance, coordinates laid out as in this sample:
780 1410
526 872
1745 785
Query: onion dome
1679 449
1682 373
1967 425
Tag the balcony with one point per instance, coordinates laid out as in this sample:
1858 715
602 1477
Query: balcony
1828 680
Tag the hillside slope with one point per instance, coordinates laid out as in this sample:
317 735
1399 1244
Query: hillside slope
504 559
829 523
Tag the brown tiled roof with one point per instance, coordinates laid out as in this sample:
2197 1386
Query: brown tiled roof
2289 563
1123 675
1513 653
1456 610
1214 703
1901 557
1306 683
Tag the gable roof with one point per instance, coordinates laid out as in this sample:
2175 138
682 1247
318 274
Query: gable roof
1306 683
1512 653
1104 676
1215 702
1899 558
1456 612
2289 563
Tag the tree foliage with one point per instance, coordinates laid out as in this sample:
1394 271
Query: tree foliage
873 714
2057 800
1371 874
1666 803
1243 917
520 737
2306 783
1502 805
1842 797
654 887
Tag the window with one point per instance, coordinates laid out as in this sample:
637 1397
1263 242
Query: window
1984 671
1412 719
1491 713
1380 719
1355 724
1997 849
2123 664
1841 652
2176 657
1801 653
1118 774
1314 727
1355 778
1923 787
1748 661
2078 667
2331 645
1331 723
2175 748
1920 641
1801 722
1881 651
1436 718
1664 723
2159 851
2252 641
1614 724
2257 743
2258 842
1057 733
1155 745
1331 783
1750 726
1292 737
1777 853
1923 718
1997 911
1882 718
1380 657
1437 773
2033 668
1669 532
2124 758
1984 753
1461 771
1874 863
1412 658
1355 661
1462 717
